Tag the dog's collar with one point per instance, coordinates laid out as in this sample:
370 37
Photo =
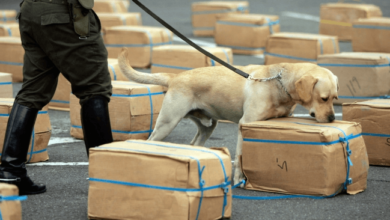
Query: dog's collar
277 77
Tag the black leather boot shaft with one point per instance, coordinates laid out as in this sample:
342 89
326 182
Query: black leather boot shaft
95 120
17 138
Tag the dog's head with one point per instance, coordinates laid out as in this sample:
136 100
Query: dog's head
316 90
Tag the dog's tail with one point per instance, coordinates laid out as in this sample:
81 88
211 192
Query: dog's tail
140 77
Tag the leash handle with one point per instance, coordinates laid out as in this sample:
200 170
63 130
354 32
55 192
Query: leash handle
243 74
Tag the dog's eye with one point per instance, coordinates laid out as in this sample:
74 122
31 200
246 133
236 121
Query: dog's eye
325 99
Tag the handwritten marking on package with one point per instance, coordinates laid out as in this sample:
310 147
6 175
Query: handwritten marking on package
351 86
283 164
388 142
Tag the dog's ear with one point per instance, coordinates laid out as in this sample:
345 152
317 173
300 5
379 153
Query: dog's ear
304 87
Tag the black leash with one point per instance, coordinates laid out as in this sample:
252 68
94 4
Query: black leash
246 75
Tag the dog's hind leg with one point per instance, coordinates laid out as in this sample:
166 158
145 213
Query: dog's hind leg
203 132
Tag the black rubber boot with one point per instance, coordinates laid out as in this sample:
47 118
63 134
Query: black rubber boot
95 120
16 142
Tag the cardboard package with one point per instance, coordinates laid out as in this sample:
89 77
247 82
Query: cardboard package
159 180
179 58
245 33
119 19
288 47
362 76
301 156
11 30
133 108
11 57
37 150
6 90
337 18
204 14
371 35
374 116
10 207
139 41
111 6
7 16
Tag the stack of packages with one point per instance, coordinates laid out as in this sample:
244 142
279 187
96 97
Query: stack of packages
371 35
361 76
299 47
11 30
373 115
6 90
7 16
179 58
10 206
133 108
11 57
37 151
245 33
157 180
204 14
139 41
301 156
337 18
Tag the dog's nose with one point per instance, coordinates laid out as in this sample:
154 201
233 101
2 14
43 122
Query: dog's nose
331 118
313 114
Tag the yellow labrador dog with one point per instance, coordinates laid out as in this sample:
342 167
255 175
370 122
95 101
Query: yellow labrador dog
206 95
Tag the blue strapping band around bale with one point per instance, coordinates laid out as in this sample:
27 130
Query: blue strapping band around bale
376 135
289 57
10 199
32 152
352 65
225 185
372 27
8 29
212 62
11 63
5 19
344 139
5 83
113 70
321 46
60 101
364 97
137 45
171 67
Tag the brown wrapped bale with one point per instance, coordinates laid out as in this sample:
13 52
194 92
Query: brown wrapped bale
374 116
119 19
133 108
139 41
10 206
159 180
301 156
179 58
204 14
362 76
371 35
245 33
111 6
11 57
337 18
6 90
287 47
7 16
10 30
37 150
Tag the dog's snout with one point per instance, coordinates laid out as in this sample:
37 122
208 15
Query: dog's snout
313 114
331 118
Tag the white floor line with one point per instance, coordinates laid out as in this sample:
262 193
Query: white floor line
199 42
307 115
41 164
62 140
301 16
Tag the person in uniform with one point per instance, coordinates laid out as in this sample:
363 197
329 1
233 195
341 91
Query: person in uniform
57 36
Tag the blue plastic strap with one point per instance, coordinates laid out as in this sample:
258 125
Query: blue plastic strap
372 27
11 63
60 101
289 57
321 46
376 135
364 97
10 199
5 83
8 29
172 67
212 62
353 65
113 70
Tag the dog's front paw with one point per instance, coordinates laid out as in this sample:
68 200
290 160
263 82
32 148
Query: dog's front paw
238 178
